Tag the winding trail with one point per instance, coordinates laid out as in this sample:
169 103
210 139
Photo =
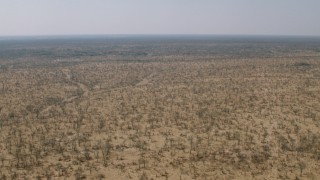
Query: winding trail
83 87
145 80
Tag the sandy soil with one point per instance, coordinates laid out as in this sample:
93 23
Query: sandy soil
214 119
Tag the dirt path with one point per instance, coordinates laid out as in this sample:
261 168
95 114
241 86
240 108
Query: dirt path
83 87
145 80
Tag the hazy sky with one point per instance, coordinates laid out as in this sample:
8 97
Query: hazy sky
56 17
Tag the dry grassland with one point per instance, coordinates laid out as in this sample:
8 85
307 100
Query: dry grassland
253 118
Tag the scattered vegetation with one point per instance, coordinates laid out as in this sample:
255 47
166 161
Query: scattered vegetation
161 116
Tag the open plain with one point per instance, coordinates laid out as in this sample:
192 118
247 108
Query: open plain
160 108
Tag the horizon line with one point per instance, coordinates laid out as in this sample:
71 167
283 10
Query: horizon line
165 36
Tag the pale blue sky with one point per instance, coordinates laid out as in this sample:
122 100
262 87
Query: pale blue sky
65 17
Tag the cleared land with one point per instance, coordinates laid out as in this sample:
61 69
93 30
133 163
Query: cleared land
160 109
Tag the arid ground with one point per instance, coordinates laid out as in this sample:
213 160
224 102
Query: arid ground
154 108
